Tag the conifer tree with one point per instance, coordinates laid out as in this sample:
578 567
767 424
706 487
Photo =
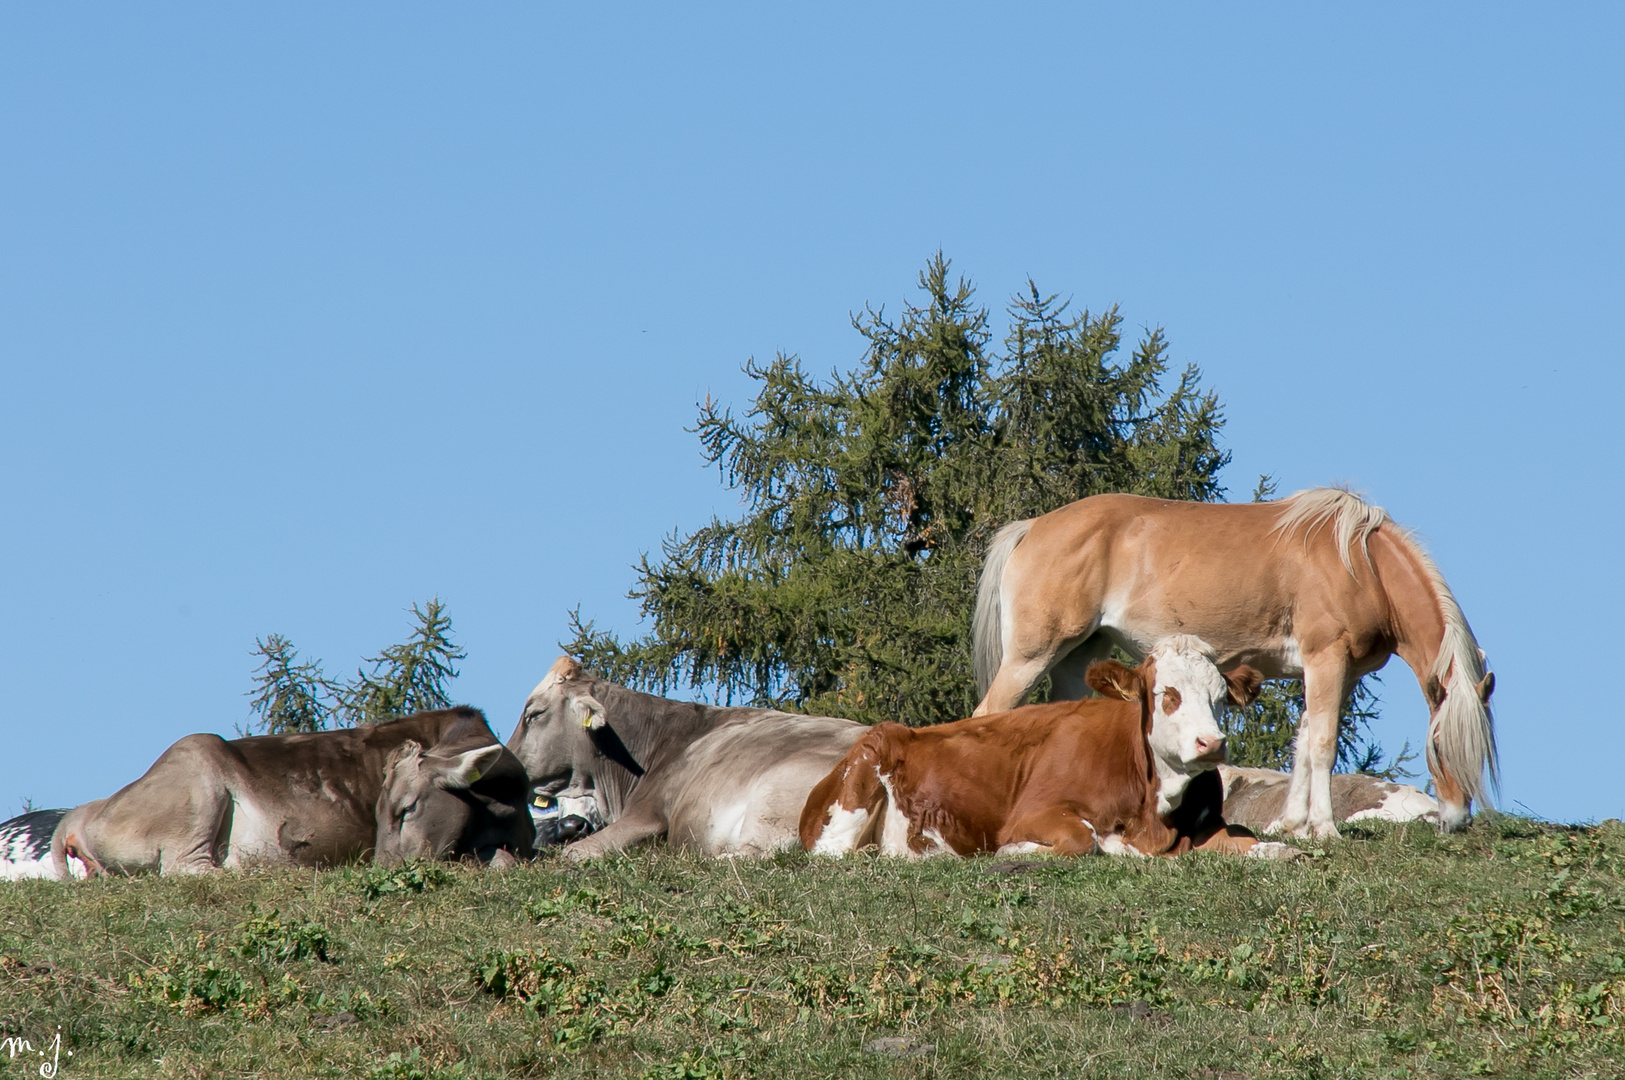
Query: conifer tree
290 696
847 586
405 678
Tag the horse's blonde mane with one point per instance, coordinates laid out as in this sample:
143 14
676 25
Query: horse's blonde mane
1461 735
1351 517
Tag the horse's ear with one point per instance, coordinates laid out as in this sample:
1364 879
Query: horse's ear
1486 687
1244 683
1108 678
1434 692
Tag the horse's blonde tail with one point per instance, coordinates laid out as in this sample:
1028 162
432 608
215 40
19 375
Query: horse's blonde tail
987 627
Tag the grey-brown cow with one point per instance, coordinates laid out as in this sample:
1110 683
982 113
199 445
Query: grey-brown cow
432 784
1255 797
722 780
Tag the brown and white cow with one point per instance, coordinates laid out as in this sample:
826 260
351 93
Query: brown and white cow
433 784
1131 773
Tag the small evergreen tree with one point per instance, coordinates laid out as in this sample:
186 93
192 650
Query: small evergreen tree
405 678
290 696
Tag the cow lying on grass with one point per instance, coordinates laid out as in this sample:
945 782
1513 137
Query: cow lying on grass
726 781
435 784
1256 798
1130 773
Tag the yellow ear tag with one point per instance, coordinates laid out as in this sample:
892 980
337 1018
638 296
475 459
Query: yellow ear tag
473 775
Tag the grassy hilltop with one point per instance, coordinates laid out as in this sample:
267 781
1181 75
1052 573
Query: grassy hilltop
1500 951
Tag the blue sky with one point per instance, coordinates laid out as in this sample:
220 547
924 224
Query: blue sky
308 313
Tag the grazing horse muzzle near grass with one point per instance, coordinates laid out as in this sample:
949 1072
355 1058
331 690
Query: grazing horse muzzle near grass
1320 585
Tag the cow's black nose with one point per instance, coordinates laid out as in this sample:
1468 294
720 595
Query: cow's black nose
571 826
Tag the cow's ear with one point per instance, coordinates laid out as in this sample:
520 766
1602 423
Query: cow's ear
1244 684
608 741
465 770
1108 678
408 751
586 710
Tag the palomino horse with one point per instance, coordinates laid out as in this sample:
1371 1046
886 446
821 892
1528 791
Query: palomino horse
1321 585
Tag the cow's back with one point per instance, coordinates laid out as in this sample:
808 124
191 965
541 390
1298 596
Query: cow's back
965 786
740 788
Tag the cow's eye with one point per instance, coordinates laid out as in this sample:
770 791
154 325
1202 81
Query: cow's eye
1170 701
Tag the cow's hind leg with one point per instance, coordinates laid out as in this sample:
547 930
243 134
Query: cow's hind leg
845 809
1309 798
1057 830
198 843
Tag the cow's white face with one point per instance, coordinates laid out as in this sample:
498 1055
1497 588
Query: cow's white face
1186 696
1182 691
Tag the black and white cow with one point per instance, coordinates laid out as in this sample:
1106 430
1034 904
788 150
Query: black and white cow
25 846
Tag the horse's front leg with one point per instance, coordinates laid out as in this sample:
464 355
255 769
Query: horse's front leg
1309 799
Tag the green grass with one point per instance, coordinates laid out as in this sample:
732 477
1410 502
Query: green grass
1500 951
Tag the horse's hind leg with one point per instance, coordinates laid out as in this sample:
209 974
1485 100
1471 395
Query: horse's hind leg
1030 656
1309 798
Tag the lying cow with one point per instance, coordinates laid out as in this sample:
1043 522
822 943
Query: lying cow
25 846
1130 773
1255 797
726 781
434 784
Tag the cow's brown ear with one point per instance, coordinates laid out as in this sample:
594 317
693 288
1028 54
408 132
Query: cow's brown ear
1244 683
1108 678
